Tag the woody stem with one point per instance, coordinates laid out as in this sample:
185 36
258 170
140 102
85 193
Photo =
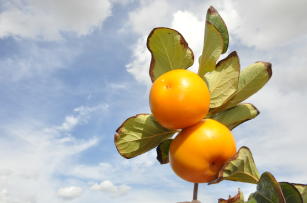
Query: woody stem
195 191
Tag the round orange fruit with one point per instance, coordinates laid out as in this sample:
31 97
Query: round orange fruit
199 151
179 98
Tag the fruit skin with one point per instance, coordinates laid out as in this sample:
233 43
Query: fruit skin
179 98
199 152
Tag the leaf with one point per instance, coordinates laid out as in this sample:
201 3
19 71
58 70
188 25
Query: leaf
240 168
169 51
236 115
252 200
162 151
290 193
139 134
268 190
215 19
238 198
213 48
223 81
252 79
302 190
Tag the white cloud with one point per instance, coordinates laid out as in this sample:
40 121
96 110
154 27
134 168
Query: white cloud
139 66
254 25
83 113
183 21
69 193
123 2
142 25
116 170
140 20
277 136
192 30
96 172
266 24
69 123
48 19
35 61
108 187
32 155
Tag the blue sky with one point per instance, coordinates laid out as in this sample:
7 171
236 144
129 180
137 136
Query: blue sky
72 71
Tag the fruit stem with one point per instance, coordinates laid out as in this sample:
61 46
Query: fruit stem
195 191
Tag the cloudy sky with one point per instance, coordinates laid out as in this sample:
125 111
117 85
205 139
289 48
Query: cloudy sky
72 71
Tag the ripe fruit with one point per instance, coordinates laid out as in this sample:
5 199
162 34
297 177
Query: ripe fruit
198 152
179 98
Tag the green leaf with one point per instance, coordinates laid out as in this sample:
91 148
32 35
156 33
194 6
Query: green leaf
223 81
302 190
213 48
240 168
238 198
290 193
215 19
139 134
252 200
252 79
268 190
236 115
162 151
169 51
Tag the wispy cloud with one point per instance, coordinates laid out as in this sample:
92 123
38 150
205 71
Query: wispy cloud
32 60
32 154
47 20
81 117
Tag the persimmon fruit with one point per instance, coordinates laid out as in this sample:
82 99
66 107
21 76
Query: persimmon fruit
179 98
198 152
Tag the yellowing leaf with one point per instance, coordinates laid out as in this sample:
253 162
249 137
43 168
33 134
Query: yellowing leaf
213 48
238 198
268 190
215 19
252 79
139 134
163 150
169 51
236 115
240 168
223 81
303 191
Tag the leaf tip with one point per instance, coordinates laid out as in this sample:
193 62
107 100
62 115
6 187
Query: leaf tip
116 138
269 69
255 108
268 66
211 10
233 199
119 131
233 54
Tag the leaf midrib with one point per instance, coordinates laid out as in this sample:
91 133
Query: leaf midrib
148 137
